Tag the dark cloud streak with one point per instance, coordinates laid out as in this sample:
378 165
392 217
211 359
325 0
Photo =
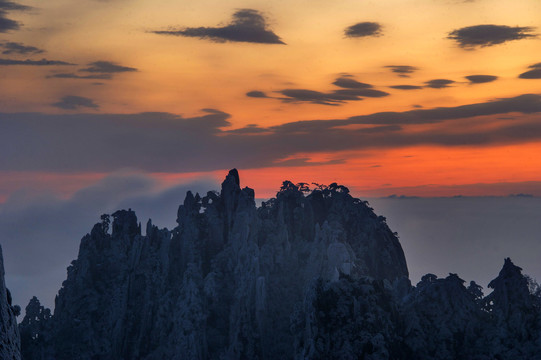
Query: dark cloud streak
250 129
531 74
406 87
18 48
10 5
471 37
28 62
349 83
439 83
351 90
107 67
165 142
75 76
311 96
7 24
481 79
355 93
98 70
72 102
363 29
333 98
535 73
256 94
247 26
402 70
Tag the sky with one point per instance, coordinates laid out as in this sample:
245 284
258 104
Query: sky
414 98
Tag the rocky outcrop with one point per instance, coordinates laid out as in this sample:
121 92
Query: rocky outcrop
437 319
310 274
10 347
35 331
516 314
223 283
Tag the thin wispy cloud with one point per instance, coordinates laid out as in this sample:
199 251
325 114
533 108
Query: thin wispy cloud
76 76
107 67
97 70
402 70
18 48
312 96
72 102
350 90
250 129
28 62
334 98
247 25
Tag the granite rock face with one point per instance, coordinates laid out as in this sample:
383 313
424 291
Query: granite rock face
310 274
10 346
35 331
222 284
437 319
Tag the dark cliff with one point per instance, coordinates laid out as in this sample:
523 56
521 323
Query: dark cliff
224 282
10 347
310 274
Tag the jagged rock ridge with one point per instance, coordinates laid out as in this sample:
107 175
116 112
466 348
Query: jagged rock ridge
10 347
311 274
224 282
437 319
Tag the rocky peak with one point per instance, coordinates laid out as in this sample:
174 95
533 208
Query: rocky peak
35 314
35 328
125 223
510 289
230 185
231 188
190 207
235 200
355 237
10 346
313 273
211 275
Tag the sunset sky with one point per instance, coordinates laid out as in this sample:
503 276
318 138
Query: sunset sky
429 98
419 97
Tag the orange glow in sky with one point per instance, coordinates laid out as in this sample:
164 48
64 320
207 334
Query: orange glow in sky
102 58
